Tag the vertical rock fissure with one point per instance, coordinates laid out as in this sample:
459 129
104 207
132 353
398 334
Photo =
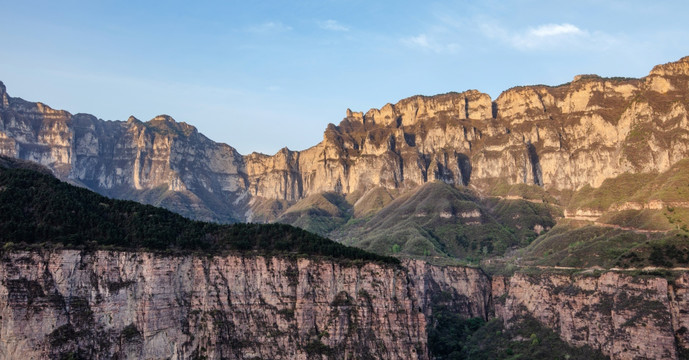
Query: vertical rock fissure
535 164
466 108
464 165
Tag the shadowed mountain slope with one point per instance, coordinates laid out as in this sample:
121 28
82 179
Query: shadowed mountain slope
37 208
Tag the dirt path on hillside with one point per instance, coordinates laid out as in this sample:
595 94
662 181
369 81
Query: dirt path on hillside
593 221
512 197
627 228
598 268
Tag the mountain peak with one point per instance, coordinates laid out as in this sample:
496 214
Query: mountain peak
4 98
675 68
585 77
164 118
166 122
470 104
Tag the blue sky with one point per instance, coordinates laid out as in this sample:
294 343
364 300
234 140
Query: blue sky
261 75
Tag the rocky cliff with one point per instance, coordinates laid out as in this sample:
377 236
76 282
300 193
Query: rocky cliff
561 137
141 305
626 317
108 304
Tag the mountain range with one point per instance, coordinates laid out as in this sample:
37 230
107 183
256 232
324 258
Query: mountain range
456 175
570 203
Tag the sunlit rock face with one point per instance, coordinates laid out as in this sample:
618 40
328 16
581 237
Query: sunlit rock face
161 161
561 137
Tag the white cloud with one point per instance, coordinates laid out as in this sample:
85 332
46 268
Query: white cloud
555 30
332 25
269 27
428 43
420 41
547 36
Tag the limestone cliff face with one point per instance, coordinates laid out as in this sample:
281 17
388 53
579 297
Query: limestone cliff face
160 159
468 290
561 137
625 317
141 305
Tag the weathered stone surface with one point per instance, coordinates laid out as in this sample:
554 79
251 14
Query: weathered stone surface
625 317
467 288
561 137
140 305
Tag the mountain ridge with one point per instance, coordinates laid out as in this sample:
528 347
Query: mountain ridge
129 302
561 139
459 138
551 186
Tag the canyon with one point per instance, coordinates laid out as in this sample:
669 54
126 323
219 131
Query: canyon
538 161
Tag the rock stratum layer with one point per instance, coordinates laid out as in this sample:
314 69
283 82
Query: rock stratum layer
140 305
561 138
107 304
626 317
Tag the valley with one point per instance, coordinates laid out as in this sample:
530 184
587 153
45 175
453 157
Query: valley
563 210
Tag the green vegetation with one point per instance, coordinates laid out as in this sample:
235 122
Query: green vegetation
525 339
638 219
316 347
635 237
590 246
581 247
37 209
522 217
130 333
267 210
611 191
523 191
669 186
441 223
448 336
669 251
452 337
371 202
436 221
320 213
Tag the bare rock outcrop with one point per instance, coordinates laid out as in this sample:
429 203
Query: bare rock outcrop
107 304
626 317
141 305
561 137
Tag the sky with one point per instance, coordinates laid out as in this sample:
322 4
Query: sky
263 75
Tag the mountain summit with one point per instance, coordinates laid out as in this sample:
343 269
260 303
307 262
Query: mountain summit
560 139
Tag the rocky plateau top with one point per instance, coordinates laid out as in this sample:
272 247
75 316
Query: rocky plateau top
558 137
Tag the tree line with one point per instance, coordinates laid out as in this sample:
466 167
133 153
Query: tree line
37 208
